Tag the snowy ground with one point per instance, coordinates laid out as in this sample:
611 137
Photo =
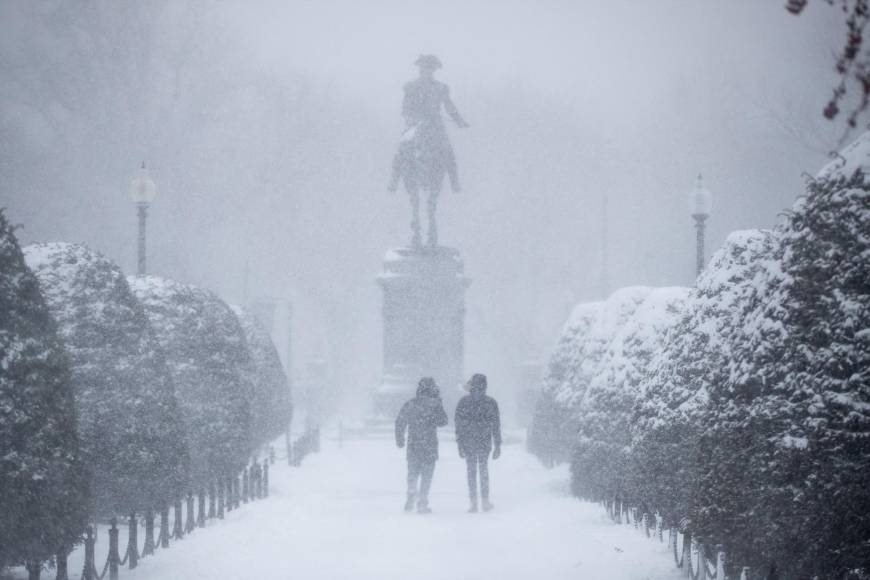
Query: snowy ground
340 516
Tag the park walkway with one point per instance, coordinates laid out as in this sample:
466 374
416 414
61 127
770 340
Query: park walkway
339 517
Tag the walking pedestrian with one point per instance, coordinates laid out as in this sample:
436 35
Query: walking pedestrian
420 418
478 432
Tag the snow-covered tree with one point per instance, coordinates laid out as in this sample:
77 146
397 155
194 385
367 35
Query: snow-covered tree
796 405
601 453
207 355
550 434
129 422
271 406
572 367
665 424
43 479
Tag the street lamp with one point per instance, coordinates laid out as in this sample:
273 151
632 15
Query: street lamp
700 204
142 191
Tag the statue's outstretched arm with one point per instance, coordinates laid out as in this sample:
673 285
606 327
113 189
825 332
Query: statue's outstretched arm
452 110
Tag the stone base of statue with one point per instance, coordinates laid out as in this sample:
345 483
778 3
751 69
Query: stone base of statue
424 326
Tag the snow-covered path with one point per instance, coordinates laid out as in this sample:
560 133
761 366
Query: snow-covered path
340 516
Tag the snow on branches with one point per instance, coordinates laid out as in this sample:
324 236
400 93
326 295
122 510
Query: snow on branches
206 353
745 409
128 418
271 406
42 475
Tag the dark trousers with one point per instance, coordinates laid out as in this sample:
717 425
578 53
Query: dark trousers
478 460
422 471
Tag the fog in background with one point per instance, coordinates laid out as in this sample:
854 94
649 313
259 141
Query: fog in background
269 128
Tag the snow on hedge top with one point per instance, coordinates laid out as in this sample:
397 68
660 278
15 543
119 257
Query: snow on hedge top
617 382
852 158
806 346
128 416
594 329
270 406
568 353
697 351
207 354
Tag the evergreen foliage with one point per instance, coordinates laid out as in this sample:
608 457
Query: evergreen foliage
751 427
43 502
271 405
601 453
693 361
207 353
796 405
129 422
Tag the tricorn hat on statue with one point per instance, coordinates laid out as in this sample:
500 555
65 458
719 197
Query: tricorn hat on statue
428 61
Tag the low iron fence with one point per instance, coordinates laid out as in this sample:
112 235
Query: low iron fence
182 518
692 556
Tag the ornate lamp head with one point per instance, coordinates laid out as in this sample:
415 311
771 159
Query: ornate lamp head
142 188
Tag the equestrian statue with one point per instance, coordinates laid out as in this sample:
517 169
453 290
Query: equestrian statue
425 154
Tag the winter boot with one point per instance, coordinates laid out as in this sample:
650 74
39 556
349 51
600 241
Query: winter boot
423 508
473 508
409 503
487 506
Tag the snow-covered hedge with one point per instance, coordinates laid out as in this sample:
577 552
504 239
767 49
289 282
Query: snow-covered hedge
271 406
752 424
788 431
43 501
207 355
128 418
601 452
666 422
572 368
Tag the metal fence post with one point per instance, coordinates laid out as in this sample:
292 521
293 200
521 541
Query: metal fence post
178 528
148 549
201 519
114 556
191 521
687 554
133 541
212 500
34 570
221 499
88 571
61 564
164 527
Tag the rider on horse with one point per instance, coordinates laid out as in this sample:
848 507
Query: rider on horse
422 111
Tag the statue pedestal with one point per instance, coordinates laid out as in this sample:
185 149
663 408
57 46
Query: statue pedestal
424 325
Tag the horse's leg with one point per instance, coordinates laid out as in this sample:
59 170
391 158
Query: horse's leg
414 194
431 208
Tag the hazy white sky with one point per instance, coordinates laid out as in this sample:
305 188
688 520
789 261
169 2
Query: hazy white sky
270 126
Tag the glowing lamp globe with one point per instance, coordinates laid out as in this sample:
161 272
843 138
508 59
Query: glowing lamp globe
700 200
142 188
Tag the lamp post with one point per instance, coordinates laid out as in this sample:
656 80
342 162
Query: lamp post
700 204
142 191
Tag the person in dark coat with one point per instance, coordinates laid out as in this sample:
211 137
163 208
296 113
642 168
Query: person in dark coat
421 417
478 432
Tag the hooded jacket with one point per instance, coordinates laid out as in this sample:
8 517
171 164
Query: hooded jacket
421 417
478 425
